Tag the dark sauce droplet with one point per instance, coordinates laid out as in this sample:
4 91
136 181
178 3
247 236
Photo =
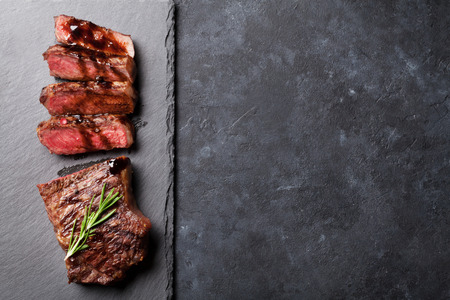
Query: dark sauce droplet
105 84
116 165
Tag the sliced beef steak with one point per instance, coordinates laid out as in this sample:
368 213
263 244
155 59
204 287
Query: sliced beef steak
80 134
120 242
72 31
89 98
76 63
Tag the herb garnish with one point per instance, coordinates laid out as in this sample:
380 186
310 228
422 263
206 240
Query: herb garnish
90 220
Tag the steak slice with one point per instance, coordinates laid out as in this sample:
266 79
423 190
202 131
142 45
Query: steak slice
89 98
80 134
72 31
119 242
76 63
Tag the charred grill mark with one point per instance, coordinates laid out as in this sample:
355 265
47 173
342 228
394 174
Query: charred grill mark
82 63
113 240
101 69
105 140
70 199
66 221
86 141
120 75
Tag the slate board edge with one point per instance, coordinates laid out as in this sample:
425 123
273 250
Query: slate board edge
170 100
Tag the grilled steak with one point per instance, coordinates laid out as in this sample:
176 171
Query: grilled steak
72 31
80 134
89 98
119 242
76 63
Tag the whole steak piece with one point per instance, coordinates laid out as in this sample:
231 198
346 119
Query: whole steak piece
76 63
119 242
72 31
89 98
80 134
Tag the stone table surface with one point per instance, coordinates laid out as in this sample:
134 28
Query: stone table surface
312 150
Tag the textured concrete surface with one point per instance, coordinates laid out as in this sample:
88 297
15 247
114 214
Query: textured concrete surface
312 150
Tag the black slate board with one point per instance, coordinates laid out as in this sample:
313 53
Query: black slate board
31 261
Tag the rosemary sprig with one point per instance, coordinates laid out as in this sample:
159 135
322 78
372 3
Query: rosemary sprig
91 220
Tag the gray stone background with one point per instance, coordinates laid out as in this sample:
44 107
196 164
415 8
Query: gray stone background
312 150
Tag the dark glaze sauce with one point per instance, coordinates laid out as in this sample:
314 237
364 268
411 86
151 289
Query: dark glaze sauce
83 33
105 84
116 165
80 52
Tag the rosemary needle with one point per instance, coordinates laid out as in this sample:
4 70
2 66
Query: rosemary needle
90 220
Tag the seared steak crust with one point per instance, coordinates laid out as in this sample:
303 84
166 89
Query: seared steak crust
76 63
119 242
80 134
89 98
72 31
